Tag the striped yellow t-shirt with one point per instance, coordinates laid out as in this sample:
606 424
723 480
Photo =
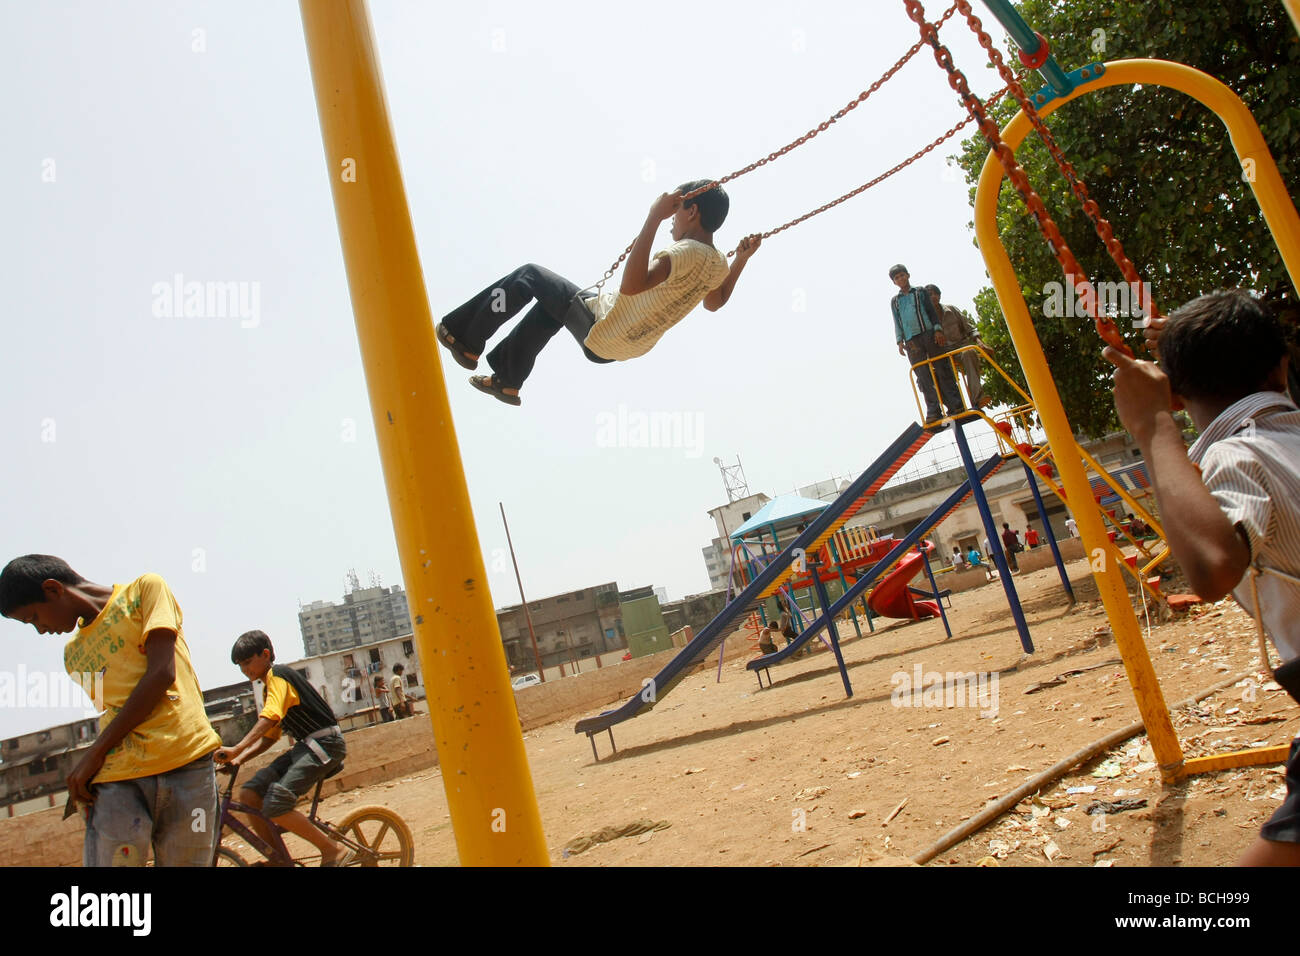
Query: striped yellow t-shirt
628 326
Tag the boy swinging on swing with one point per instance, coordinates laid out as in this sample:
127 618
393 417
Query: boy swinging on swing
614 326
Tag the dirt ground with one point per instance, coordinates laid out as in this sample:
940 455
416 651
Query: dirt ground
800 775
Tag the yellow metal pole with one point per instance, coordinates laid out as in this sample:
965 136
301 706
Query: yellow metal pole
1293 8
1238 758
1282 220
476 726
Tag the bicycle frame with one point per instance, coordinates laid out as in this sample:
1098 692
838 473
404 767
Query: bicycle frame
275 853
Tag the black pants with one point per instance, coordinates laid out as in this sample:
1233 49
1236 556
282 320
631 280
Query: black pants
512 360
923 347
1011 556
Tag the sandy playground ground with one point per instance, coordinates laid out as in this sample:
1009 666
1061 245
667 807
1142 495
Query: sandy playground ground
800 775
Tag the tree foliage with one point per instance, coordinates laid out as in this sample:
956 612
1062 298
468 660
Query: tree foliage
1159 164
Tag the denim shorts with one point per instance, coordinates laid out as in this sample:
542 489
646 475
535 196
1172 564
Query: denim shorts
174 812
290 775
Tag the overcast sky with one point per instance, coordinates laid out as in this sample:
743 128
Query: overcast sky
236 456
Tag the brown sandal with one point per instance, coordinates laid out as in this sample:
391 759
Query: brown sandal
494 387
462 357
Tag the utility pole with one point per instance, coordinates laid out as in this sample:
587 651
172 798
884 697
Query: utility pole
541 671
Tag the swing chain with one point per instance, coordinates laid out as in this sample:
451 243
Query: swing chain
883 176
1105 326
1080 189
771 157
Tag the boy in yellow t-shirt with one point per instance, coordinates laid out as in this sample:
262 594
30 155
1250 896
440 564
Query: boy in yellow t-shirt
290 704
148 779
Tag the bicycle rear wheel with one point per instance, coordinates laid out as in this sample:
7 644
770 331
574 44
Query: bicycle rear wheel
383 833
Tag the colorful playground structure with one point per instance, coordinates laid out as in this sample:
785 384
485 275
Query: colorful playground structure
489 788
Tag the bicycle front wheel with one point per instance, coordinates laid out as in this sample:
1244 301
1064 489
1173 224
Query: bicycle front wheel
383 833
228 857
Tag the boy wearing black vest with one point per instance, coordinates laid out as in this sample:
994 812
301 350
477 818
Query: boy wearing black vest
289 703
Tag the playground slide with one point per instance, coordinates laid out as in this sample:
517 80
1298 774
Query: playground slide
764 584
932 520
892 598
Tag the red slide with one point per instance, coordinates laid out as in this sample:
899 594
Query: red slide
891 598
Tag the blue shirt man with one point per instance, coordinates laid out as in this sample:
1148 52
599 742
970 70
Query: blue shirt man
918 330
908 321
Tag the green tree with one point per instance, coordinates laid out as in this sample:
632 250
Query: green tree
1160 165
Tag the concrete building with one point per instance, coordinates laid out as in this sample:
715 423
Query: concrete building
921 485
695 610
898 506
644 622
367 615
727 518
568 627
827 490
717 560
346 678
34 766
731 516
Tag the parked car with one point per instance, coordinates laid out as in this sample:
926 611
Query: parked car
525 680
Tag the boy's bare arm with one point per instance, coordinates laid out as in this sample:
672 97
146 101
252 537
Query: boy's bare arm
719 296
1212 551
160 674
254 743
638 275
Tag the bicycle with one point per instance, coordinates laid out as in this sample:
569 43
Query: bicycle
377 835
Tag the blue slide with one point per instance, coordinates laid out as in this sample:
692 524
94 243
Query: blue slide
713 633
923 527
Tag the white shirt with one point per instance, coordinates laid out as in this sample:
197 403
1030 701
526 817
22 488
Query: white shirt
629 326
1250 460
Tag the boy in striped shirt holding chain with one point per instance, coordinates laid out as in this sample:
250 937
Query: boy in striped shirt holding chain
1235 526
653 296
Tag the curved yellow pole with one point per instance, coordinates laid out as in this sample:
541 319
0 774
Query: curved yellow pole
476 726
1285 225
1293 8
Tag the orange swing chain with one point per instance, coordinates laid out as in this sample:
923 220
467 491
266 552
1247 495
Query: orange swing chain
1105 325
820 128
882 177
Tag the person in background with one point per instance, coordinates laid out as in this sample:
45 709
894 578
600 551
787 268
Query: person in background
1011 545
973 557
918 331
959 332
381 698
397 693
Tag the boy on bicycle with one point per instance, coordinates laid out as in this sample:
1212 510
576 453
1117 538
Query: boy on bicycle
289 703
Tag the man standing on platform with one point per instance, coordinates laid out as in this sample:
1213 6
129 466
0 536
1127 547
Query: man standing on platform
960 331
918 330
